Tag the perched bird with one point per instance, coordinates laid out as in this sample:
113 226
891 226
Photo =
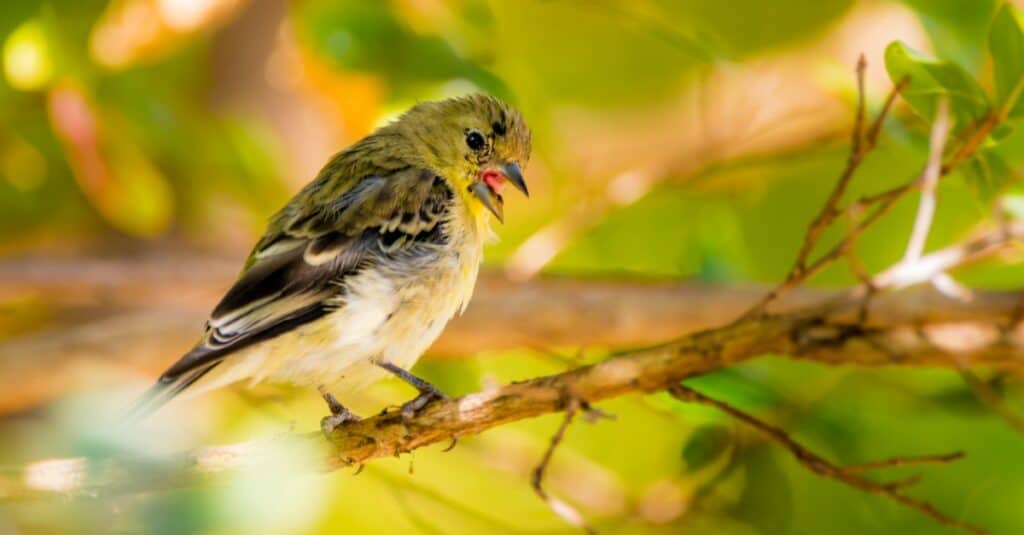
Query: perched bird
358 274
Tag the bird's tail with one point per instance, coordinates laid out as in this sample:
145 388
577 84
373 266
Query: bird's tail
165 389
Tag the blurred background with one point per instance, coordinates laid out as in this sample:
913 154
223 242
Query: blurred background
144 143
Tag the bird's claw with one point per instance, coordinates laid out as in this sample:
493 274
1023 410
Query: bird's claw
329 423
339 416
410 408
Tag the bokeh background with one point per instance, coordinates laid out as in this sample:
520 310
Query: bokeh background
144 143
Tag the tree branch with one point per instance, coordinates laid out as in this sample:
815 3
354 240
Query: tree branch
559 507
836 331
820 333
846 475
133 333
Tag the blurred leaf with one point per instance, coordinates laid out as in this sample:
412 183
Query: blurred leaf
706 444
986 172
957 27
367 37
763 25
931 78
611 54
1006 44
768 500
27 60
140 201
1013 203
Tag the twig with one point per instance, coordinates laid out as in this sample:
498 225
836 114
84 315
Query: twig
896 462
929 182
902 274
861 145
991 399
561 508
928 266
798 333
824 468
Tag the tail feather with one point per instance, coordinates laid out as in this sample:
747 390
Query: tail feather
165 389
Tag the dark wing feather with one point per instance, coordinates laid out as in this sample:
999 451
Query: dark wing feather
303 261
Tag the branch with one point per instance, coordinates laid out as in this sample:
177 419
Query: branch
846 475
930 180
860 147
825 332
990 398
821 333
134 334
559 507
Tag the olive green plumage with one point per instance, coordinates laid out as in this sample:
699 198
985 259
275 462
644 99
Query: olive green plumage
367 262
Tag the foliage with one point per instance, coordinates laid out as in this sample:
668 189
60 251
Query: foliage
202 127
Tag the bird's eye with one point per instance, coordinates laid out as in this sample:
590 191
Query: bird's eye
475 140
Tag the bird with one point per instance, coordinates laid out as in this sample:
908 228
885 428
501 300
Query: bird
357 275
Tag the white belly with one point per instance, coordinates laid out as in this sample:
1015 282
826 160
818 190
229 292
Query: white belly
382 317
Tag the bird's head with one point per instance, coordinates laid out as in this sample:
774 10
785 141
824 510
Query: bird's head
476 142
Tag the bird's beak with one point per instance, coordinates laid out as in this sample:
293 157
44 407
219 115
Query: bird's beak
488 188
489 198
514 175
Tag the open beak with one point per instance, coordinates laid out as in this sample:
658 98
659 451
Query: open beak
514 175
489 198
488 189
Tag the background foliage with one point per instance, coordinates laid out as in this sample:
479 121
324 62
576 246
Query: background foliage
674 140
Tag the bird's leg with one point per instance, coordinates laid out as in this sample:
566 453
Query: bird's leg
428 392
339 414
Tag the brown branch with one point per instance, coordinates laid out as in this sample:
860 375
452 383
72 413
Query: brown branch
133 333
818 333
848 476
991 399
564 511
830 212
824 333
896 462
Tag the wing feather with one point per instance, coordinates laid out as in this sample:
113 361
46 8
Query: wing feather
300 266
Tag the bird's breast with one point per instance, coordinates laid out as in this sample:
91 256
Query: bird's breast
392 311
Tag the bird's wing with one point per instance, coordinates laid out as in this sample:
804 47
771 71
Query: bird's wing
303 261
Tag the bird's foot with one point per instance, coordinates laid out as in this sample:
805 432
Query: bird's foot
339 414
428 393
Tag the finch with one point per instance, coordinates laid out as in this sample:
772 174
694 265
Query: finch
359 273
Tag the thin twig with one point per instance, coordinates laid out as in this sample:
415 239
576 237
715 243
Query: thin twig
649 370
958 255
559 507
882 202
861 145
824 468
991 399
896 462
929 182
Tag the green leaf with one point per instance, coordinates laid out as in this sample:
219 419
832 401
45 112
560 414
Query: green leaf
930 79
986 172
1006 45
705 445
956 28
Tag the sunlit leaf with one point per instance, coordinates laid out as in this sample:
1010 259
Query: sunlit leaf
957 27
1006 44
986 172
1014 205
28 64
367 37
930 79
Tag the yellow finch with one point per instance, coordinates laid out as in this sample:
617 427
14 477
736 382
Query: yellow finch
358 274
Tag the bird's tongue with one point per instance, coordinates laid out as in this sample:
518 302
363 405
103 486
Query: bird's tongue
494 180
